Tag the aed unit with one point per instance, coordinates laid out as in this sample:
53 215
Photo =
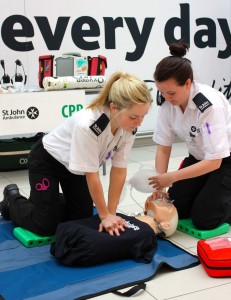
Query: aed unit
71 66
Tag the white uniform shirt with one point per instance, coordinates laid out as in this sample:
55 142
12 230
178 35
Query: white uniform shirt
80 149
205 127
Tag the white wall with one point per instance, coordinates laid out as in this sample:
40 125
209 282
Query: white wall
140 40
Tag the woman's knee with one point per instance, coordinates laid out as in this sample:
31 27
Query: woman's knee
47 227
206 221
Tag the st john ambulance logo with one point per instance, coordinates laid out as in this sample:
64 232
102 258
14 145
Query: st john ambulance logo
32 113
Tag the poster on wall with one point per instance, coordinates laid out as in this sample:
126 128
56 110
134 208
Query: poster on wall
26 113
133 35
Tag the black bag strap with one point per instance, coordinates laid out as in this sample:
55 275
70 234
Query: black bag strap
132 291
99 64
147 80
30 139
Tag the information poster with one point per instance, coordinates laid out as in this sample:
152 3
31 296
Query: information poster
37 112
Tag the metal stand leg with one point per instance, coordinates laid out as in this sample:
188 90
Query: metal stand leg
104 168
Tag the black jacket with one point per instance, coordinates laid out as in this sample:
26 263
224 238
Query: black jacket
78 242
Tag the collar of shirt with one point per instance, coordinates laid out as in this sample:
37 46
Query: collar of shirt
194 90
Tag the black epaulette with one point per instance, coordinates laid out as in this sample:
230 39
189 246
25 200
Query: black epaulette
159 99
134 131
100 124
202 102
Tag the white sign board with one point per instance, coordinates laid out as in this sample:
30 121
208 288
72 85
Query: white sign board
37 112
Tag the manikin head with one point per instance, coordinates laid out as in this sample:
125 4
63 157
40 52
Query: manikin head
160 213
164 213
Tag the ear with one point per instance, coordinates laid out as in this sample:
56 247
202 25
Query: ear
164 225
112 107
188 83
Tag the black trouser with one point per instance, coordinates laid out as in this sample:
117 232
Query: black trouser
205 199
46 207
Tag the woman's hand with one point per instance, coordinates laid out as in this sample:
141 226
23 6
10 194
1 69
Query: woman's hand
154 196
198 169
161 181
112 224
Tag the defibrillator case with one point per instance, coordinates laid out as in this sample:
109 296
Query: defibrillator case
215 256
71 65
97 65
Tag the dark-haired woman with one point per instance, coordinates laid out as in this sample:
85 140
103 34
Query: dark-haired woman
200 116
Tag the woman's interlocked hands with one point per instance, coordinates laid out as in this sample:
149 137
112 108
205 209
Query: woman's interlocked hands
112 224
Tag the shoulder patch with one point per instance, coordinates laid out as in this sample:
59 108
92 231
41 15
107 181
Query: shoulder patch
134 131
159 99
202 102
100 124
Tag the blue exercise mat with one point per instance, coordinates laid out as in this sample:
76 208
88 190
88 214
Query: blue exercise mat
32 273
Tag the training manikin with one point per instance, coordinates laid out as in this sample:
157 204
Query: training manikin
79 242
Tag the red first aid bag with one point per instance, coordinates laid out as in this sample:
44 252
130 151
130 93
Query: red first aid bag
45 68
215 256
97 65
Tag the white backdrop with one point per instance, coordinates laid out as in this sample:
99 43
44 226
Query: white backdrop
132 34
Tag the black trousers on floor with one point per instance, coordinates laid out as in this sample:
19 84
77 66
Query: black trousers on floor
205 199
46 207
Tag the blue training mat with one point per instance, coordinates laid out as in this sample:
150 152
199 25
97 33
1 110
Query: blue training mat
32 273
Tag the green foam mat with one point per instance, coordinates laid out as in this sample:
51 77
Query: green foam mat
186 226
30 239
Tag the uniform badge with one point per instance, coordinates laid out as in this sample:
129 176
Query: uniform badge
134 131
100 124
159 99
202 102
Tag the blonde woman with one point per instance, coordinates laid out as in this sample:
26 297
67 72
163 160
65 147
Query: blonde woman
71 156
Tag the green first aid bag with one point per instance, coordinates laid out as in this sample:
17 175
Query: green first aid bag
14 152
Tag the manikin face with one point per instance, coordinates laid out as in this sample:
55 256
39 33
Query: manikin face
164 213
161 209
